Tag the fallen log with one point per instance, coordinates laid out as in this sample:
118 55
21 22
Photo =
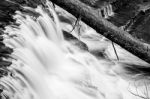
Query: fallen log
92 18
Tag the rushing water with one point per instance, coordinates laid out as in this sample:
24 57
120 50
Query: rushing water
46 66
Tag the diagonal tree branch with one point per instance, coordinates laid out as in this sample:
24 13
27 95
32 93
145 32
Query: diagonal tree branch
107 29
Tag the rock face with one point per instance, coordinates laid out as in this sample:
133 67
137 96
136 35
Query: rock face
134 16
140 27
125 10
7 10
4 55
98 4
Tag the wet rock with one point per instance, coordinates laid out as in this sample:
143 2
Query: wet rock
2 74
140 27
5 50
73 40
125 10
5 63
30 3
98 4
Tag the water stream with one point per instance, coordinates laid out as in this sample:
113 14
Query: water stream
46 66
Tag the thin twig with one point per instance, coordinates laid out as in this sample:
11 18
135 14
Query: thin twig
136 91
76 23
146 89
115 51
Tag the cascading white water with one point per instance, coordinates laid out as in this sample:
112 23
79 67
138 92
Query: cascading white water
45 66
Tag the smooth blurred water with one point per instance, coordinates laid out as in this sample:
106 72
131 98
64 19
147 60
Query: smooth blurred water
46 66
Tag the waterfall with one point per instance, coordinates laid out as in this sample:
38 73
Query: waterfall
47 66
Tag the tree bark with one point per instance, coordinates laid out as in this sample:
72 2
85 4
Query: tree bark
93 19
